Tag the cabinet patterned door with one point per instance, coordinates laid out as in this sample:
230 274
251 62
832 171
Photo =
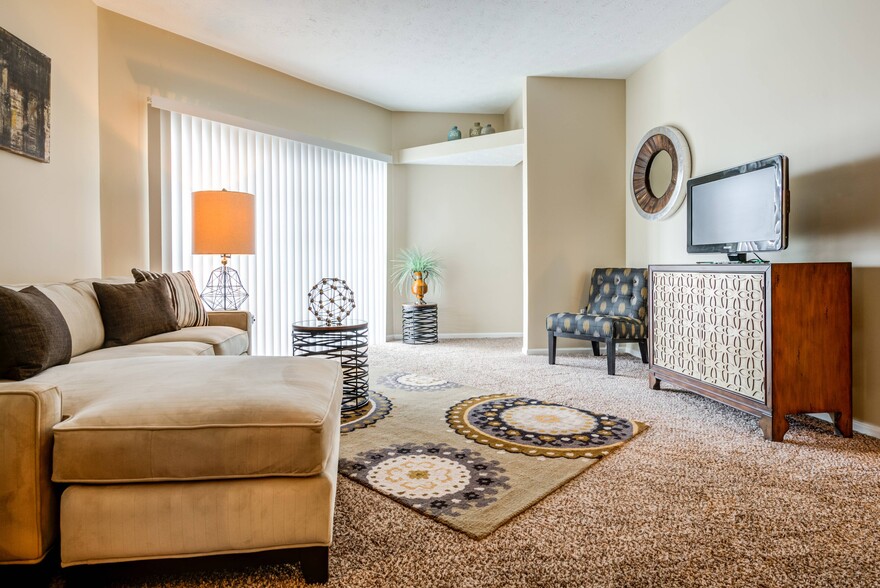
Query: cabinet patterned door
711 326
734 333
676 321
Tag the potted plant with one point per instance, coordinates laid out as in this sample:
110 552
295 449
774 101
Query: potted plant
414 265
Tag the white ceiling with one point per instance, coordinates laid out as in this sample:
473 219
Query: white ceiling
431 55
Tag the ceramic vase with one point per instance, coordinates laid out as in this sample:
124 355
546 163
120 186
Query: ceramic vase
475 130
419 287
454 134
487 130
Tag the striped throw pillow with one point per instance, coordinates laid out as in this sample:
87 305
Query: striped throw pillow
185 299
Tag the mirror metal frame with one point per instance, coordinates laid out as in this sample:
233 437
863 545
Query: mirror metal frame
649 205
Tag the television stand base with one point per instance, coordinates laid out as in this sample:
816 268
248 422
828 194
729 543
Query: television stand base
737 257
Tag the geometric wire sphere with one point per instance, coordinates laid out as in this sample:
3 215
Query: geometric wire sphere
331 301
224 290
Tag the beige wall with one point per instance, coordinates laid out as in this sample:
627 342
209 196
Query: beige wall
575 157
513 116
470 216
791 76
50 212
138 61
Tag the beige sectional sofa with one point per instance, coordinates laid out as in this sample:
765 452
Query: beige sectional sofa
179 445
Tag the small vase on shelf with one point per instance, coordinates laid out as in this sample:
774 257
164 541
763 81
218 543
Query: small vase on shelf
454 134
475 130
487 130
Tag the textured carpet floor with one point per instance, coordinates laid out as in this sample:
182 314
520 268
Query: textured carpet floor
699 499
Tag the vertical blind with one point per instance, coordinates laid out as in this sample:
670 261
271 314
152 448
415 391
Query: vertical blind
319 213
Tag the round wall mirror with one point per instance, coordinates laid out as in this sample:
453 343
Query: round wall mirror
660 173
660 170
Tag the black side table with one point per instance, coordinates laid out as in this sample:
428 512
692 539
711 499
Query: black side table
346 342
419 324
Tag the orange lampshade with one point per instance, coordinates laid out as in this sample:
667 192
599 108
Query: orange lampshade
223 222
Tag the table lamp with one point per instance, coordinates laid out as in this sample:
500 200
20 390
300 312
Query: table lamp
223 224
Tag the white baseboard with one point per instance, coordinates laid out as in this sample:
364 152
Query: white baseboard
858 426
466 336
621 350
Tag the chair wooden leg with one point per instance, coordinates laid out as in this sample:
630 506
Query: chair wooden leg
643 350
595 348
551 347
610 351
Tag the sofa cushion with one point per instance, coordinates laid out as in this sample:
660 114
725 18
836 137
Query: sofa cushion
79 307
33 334
122 522
133 311
591 325
147 350
184 296
194 418
226 340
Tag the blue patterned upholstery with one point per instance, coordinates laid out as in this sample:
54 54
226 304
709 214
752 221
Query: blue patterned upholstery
619 292
617 310
593 325
617 307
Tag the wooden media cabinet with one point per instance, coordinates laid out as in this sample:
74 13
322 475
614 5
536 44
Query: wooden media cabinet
770 339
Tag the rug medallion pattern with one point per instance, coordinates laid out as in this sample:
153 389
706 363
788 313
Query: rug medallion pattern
433 478
534 427
375 410
465 457
415 382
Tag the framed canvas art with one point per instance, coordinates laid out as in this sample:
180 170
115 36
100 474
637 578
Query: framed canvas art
24 98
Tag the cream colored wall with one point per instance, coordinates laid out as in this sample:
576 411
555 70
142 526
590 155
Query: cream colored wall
138 61
50 212
791 76
513 116
470 216
575 157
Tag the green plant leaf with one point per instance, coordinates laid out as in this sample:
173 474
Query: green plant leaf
411 260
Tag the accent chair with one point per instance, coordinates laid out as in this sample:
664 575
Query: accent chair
616 313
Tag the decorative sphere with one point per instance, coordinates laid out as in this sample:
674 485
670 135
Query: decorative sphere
331 300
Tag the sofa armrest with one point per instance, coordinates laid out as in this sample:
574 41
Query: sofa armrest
29 505
240 319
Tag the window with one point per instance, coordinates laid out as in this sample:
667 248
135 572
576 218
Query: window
319 213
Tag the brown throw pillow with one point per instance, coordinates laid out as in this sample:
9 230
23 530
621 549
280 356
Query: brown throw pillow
132 312
33 334
184 296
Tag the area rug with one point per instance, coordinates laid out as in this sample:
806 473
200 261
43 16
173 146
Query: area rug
469 458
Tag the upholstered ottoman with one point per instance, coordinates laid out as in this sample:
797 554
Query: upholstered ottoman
220 455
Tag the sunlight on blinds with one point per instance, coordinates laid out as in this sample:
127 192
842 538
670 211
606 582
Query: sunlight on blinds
319 213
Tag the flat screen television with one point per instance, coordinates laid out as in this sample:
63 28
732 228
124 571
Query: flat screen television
740 210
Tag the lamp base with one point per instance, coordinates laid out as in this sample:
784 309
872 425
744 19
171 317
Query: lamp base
224 290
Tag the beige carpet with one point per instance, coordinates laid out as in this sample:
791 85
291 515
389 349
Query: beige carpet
469 458
699 499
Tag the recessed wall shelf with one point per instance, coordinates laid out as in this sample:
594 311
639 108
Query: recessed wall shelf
499 149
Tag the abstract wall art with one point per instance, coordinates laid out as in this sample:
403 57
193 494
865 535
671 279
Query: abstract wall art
24 98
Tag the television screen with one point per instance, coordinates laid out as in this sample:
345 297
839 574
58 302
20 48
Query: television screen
741 209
